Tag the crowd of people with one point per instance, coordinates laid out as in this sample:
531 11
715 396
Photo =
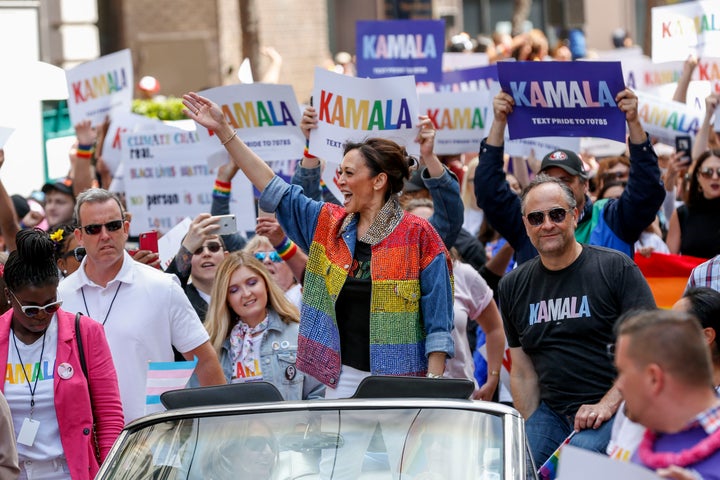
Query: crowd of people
440 266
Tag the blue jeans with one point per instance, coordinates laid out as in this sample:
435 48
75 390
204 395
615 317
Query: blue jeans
546 430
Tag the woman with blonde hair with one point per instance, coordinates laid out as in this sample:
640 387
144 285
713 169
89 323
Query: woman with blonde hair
254 328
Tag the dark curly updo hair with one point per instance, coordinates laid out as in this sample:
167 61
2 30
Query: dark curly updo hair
33 263
385 156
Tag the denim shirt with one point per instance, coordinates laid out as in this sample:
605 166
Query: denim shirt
278 352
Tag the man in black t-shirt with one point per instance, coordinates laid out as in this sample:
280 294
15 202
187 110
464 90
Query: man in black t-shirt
559 310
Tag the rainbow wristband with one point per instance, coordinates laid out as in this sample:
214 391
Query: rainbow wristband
85 151
287 249
222 189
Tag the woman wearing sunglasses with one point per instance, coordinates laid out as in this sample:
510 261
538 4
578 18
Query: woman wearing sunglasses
254 328
68 252
694 227
262 248
377 292
63 421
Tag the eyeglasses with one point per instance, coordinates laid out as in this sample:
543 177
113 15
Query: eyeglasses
212 247
557 215
274 257
710 172
77 252
33 311
95 228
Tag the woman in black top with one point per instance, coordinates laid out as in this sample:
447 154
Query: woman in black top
695 226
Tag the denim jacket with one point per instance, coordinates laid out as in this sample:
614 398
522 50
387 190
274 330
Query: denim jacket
277 357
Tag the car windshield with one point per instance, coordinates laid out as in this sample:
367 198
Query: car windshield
419 444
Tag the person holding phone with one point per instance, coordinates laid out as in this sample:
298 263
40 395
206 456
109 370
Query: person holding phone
694 227
364 254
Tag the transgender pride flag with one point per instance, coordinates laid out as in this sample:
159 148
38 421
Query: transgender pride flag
165 376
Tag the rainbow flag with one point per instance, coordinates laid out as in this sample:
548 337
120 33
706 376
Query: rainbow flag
165 376
667 275
549 469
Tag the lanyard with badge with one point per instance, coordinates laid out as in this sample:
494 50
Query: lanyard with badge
30 427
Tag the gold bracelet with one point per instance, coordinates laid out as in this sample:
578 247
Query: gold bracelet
495 372
231 137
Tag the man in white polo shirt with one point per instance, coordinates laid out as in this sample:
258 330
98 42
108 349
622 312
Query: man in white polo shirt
144 311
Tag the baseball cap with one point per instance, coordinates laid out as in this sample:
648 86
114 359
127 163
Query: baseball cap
62 185
567 160
21 205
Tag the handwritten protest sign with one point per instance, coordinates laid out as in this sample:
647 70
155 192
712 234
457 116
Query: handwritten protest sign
460 119
684 29
5 133
166 179
390 48
100 87
665 119
564 99
353 109
266 117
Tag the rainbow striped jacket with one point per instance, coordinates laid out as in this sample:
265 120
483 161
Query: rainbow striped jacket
411 309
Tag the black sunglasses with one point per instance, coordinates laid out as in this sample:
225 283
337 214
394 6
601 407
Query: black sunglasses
212 247
77 252
557 215
95 228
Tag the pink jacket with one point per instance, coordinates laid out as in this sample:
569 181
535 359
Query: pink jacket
73 405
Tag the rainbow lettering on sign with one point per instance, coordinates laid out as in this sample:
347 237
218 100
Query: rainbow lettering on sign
99 86
666 118
708 71
258 114
457 118
561 94
406 46
683 26
661 77
363 114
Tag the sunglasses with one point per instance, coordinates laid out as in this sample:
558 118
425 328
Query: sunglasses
33 311
557 215
274 257
614 175
710 172
95 228
77 252
213 247
257 443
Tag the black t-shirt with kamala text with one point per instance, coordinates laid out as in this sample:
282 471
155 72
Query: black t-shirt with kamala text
564 321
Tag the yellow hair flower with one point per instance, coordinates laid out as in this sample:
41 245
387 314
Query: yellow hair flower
58 235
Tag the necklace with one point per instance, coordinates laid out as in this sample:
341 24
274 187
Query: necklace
33 387
683 458
87 310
